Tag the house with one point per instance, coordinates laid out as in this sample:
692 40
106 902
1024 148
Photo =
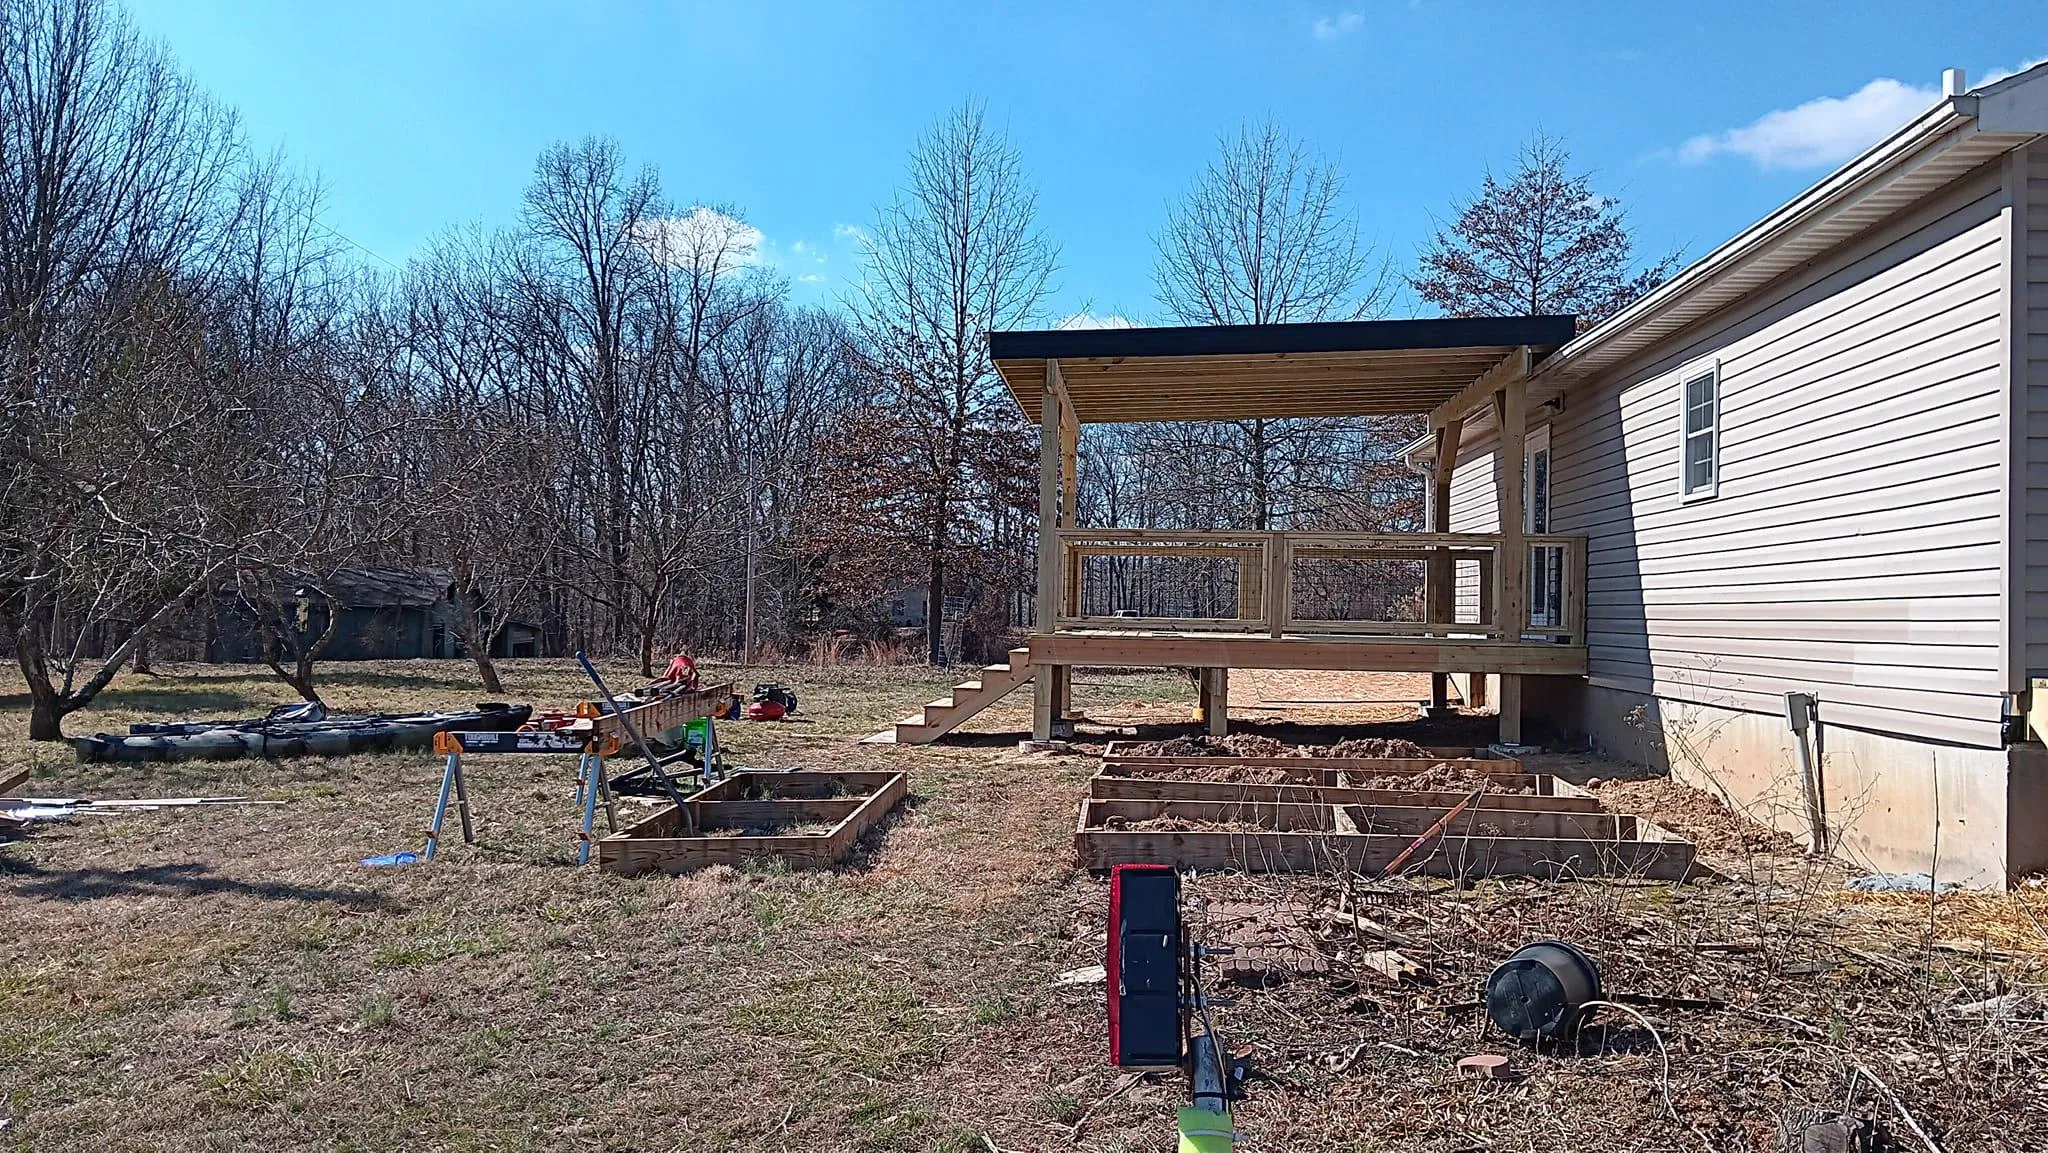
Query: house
386 614
1806 480
1816 462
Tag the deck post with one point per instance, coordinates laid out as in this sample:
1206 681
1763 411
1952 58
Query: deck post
1511 608
1214 698
1044 688
1440 574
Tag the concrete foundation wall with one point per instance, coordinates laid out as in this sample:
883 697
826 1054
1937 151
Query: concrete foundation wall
1881 793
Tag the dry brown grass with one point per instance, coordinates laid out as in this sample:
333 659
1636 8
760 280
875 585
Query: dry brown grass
232 979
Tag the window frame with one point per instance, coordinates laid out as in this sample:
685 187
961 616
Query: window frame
1710 369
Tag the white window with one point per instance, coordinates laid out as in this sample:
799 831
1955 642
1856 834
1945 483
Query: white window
1699 431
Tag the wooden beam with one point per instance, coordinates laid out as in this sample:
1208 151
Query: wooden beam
1439 579
1514 366
1050 421
1510 412
1256 652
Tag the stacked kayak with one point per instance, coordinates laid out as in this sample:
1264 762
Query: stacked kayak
306 730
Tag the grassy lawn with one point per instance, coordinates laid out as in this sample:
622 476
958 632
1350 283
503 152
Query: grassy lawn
233 979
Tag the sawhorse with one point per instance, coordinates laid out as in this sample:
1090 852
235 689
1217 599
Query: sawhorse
590 750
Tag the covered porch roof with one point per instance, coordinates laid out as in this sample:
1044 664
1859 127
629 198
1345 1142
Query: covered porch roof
1244 372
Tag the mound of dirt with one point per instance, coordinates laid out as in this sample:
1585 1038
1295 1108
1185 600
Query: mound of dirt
1227 774
1236 745
1254 745
1438 778
1369 747
1697 816
1180 825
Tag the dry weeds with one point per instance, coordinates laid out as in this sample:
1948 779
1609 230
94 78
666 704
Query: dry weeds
231 979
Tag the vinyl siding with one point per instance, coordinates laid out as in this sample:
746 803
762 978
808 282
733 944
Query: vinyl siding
1856 548
2030 361
1475 507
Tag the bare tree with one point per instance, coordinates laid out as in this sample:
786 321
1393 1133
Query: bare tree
957 254
1540 242
111 173
1262 237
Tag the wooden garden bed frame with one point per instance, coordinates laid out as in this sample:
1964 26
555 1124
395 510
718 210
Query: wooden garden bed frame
851 802
1318 825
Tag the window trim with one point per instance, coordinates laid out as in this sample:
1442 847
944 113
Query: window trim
1691 373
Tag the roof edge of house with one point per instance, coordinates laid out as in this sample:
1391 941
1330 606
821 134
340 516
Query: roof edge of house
2015 105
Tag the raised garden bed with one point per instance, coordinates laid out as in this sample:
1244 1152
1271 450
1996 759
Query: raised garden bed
1523 824
810 820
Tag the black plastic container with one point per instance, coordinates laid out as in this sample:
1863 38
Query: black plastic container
1538 993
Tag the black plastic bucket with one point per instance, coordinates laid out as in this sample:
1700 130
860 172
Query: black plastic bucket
1537 994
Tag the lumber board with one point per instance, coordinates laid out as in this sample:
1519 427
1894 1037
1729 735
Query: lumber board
651 846
1351 653
1112 788
1410 820
13 781
666 713
1452 856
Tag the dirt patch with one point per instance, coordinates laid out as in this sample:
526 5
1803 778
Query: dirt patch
1180 825
1438 778
1255 745
1227 774
1698 816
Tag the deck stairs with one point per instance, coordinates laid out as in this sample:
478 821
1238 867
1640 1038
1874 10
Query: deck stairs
968 697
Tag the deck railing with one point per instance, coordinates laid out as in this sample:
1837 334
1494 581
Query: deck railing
1335 585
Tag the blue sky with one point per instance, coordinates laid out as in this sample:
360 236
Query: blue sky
424 114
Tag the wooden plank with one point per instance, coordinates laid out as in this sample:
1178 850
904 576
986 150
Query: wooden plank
1139 765
1251 652
14 780
1293 817
631 851
667 713
1475 856
1512 367
1139 788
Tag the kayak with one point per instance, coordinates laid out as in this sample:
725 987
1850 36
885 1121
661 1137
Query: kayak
306 730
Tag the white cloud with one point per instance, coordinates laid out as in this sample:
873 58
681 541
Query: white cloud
1998 74
1829 129
811 278
1817 133
1342 24
1086 319
853 232
702 238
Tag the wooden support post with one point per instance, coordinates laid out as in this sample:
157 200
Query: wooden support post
1214 699
1050 420
1511 708
1278 583
1510 412
1440 573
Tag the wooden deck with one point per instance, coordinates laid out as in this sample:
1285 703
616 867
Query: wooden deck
1201 650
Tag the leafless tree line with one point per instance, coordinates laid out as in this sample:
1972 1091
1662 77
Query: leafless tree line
607 421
